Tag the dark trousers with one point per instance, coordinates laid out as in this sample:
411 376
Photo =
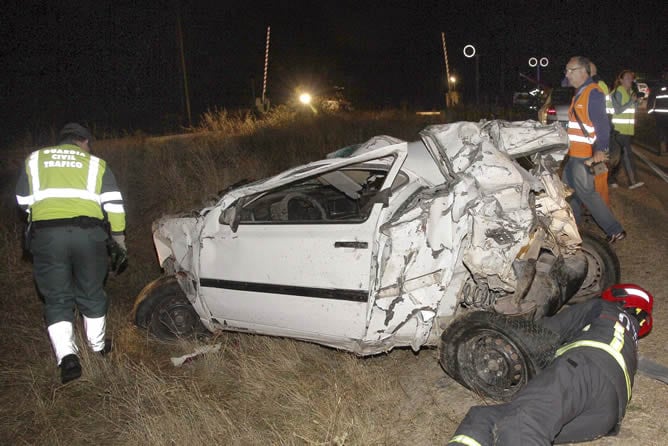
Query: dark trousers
626 160
570 401
70 265
662 126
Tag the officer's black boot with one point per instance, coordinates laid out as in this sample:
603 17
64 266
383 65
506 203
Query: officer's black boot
70 369
108 347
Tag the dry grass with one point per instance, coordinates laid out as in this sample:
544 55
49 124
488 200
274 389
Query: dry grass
255 390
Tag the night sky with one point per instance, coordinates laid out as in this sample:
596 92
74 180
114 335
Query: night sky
115 64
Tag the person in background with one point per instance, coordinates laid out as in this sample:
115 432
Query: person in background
70 196
658 106
601 180
583 394
625 102
588 135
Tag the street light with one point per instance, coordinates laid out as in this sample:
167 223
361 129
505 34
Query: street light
453 80
305 98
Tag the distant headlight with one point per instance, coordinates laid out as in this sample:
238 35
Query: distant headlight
305 98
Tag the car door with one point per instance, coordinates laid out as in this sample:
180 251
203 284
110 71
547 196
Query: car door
300 261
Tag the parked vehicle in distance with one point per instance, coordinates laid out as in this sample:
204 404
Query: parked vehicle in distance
461 240
529 100
555 108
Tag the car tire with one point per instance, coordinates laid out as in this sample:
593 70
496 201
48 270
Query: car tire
603 269
495 355
164 310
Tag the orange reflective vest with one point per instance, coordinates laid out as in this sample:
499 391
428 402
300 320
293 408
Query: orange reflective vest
580 142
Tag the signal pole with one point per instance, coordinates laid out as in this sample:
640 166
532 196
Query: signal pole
183 66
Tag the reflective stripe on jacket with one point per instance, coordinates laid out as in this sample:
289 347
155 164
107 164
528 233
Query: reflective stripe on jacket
625 111
64 182
660 100
580 144
608 101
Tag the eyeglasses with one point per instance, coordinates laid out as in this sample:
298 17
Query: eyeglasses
570 70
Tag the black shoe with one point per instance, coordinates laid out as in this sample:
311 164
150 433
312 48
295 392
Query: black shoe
70 369
616 237
108 346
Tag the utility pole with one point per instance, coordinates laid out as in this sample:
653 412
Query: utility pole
451 97
186 93
266 65
447 70
262 104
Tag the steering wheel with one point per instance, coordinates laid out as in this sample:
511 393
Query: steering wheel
312 202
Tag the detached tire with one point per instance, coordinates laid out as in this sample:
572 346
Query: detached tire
495 355
603 268
165 311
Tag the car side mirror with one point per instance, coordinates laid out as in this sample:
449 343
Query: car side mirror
231 217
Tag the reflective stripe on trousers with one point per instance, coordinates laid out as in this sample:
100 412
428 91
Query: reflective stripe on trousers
614 349
95 331
464 439
62 339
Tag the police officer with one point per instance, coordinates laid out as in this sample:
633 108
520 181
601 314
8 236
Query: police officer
658 106
583 394
70 196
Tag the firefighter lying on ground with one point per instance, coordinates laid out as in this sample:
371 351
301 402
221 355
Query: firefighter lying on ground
583 393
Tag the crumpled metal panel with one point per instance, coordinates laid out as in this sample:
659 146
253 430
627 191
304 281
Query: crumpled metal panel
502 216
479 224
524 138
177 236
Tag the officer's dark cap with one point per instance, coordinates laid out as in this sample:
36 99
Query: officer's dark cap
76 131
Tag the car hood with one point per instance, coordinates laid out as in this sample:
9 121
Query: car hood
455 146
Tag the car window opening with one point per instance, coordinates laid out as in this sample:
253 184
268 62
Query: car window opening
345 195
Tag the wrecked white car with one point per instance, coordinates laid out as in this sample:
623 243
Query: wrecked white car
459 241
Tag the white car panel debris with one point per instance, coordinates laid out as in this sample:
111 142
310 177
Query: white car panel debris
383 244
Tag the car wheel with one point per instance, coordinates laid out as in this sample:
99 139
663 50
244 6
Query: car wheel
164 310
495 355
603 268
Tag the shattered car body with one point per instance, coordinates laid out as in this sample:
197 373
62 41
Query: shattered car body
385 243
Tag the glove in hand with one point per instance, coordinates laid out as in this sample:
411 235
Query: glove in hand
118 254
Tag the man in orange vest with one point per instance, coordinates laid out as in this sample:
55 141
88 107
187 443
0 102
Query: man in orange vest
589 136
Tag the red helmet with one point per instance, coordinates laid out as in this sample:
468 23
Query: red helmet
638 300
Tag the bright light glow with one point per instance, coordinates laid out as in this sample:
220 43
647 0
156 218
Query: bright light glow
469 51
453 79
305 98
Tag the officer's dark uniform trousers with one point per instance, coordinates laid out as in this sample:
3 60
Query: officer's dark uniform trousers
581 396
70 265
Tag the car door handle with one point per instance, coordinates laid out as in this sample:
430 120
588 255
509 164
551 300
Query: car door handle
356 245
